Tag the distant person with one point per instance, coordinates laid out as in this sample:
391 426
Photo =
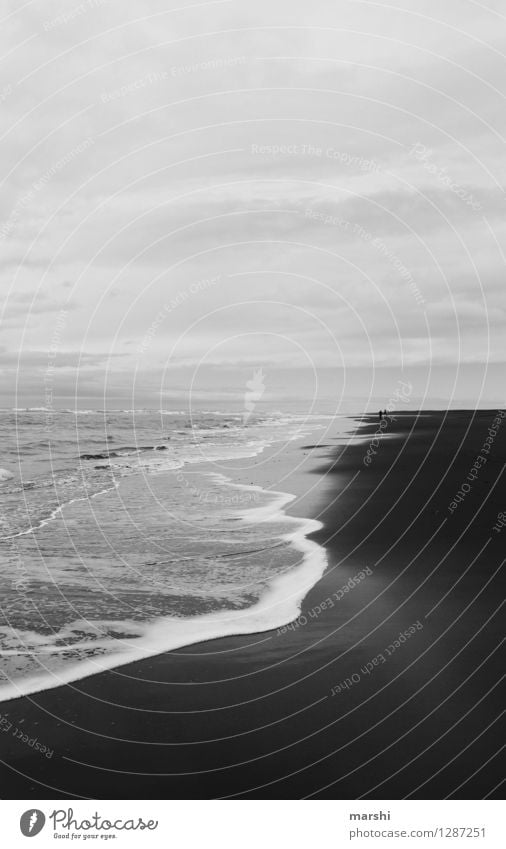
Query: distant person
380 414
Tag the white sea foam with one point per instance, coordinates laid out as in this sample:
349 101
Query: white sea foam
146 462
279 605
57 512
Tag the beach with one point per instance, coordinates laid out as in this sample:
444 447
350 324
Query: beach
384 686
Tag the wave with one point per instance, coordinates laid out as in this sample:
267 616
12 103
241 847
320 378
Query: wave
57 510
279 605
122 452
148 460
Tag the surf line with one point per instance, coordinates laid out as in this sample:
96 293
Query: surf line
58 510
278 606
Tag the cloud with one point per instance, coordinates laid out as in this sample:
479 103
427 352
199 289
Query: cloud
61 360
146 149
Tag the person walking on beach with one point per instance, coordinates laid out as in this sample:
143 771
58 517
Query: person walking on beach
380 414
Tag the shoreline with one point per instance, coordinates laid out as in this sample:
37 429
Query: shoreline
356 701
284 592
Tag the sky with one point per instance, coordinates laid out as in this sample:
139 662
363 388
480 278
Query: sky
196 193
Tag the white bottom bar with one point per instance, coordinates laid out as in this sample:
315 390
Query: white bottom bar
250 824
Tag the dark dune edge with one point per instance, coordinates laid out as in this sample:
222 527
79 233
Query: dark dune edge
254 716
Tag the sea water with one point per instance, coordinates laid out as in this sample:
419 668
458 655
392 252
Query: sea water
122 535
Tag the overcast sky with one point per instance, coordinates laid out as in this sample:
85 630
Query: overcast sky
311 188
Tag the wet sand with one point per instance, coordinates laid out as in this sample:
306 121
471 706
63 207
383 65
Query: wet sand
385 687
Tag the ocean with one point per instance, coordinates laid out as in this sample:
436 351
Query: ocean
122 536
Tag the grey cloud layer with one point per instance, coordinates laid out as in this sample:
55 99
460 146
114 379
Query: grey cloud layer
326 155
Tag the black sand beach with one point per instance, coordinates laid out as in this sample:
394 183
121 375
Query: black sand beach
386 687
